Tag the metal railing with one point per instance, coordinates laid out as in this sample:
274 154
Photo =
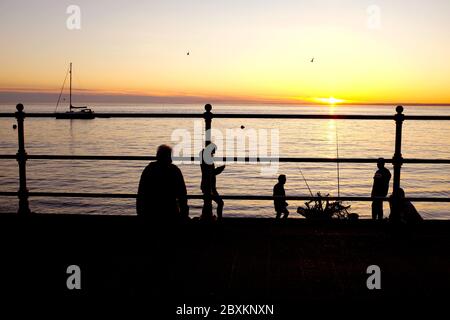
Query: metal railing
397 160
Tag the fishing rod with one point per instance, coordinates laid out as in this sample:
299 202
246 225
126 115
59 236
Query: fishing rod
306 182
337 168
337 162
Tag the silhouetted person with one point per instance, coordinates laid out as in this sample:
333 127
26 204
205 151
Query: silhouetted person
403 211
208 184
162 191
280 204
380 189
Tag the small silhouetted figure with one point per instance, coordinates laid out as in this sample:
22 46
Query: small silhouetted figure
208 184
162 191
380 188
403 211
280 204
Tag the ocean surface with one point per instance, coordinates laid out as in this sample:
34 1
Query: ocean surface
297 138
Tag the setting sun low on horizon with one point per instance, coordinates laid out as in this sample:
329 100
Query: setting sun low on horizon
263 51
331 101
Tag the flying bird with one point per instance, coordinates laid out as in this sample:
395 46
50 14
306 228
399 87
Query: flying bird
187 53
312 60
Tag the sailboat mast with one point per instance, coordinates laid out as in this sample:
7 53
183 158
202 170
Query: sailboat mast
70 92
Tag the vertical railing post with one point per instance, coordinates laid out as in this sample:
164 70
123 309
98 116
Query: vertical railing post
207 200
22 161
208 120
397 162
398 159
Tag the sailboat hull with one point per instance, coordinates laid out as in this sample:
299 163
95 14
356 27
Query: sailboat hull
75 115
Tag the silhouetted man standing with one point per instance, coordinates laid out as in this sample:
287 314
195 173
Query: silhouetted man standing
162 191
208 184
380 189
280 203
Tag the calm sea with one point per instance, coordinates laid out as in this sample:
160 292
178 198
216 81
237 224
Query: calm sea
297 138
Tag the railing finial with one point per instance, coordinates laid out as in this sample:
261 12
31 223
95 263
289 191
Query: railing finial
208 107
19 107
399 109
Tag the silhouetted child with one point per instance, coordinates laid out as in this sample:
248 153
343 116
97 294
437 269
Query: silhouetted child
280 204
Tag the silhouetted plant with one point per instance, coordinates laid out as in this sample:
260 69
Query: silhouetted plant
324 209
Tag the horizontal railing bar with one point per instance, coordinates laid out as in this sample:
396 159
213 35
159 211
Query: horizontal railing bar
303 116
224 159
418 161
328 116
434 118
225 197
112 115
239 115
8 194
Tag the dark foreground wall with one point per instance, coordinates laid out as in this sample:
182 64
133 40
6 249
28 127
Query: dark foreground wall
293 263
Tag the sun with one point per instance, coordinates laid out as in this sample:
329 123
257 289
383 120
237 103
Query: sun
331 101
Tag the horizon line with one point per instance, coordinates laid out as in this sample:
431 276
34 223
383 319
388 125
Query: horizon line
40 96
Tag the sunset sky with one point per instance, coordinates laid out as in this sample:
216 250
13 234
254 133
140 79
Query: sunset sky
247 50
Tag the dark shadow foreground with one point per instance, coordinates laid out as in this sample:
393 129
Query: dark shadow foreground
289 263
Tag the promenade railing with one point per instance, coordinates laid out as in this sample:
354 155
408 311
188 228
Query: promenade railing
397 160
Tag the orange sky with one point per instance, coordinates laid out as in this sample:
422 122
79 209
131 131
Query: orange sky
239 50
